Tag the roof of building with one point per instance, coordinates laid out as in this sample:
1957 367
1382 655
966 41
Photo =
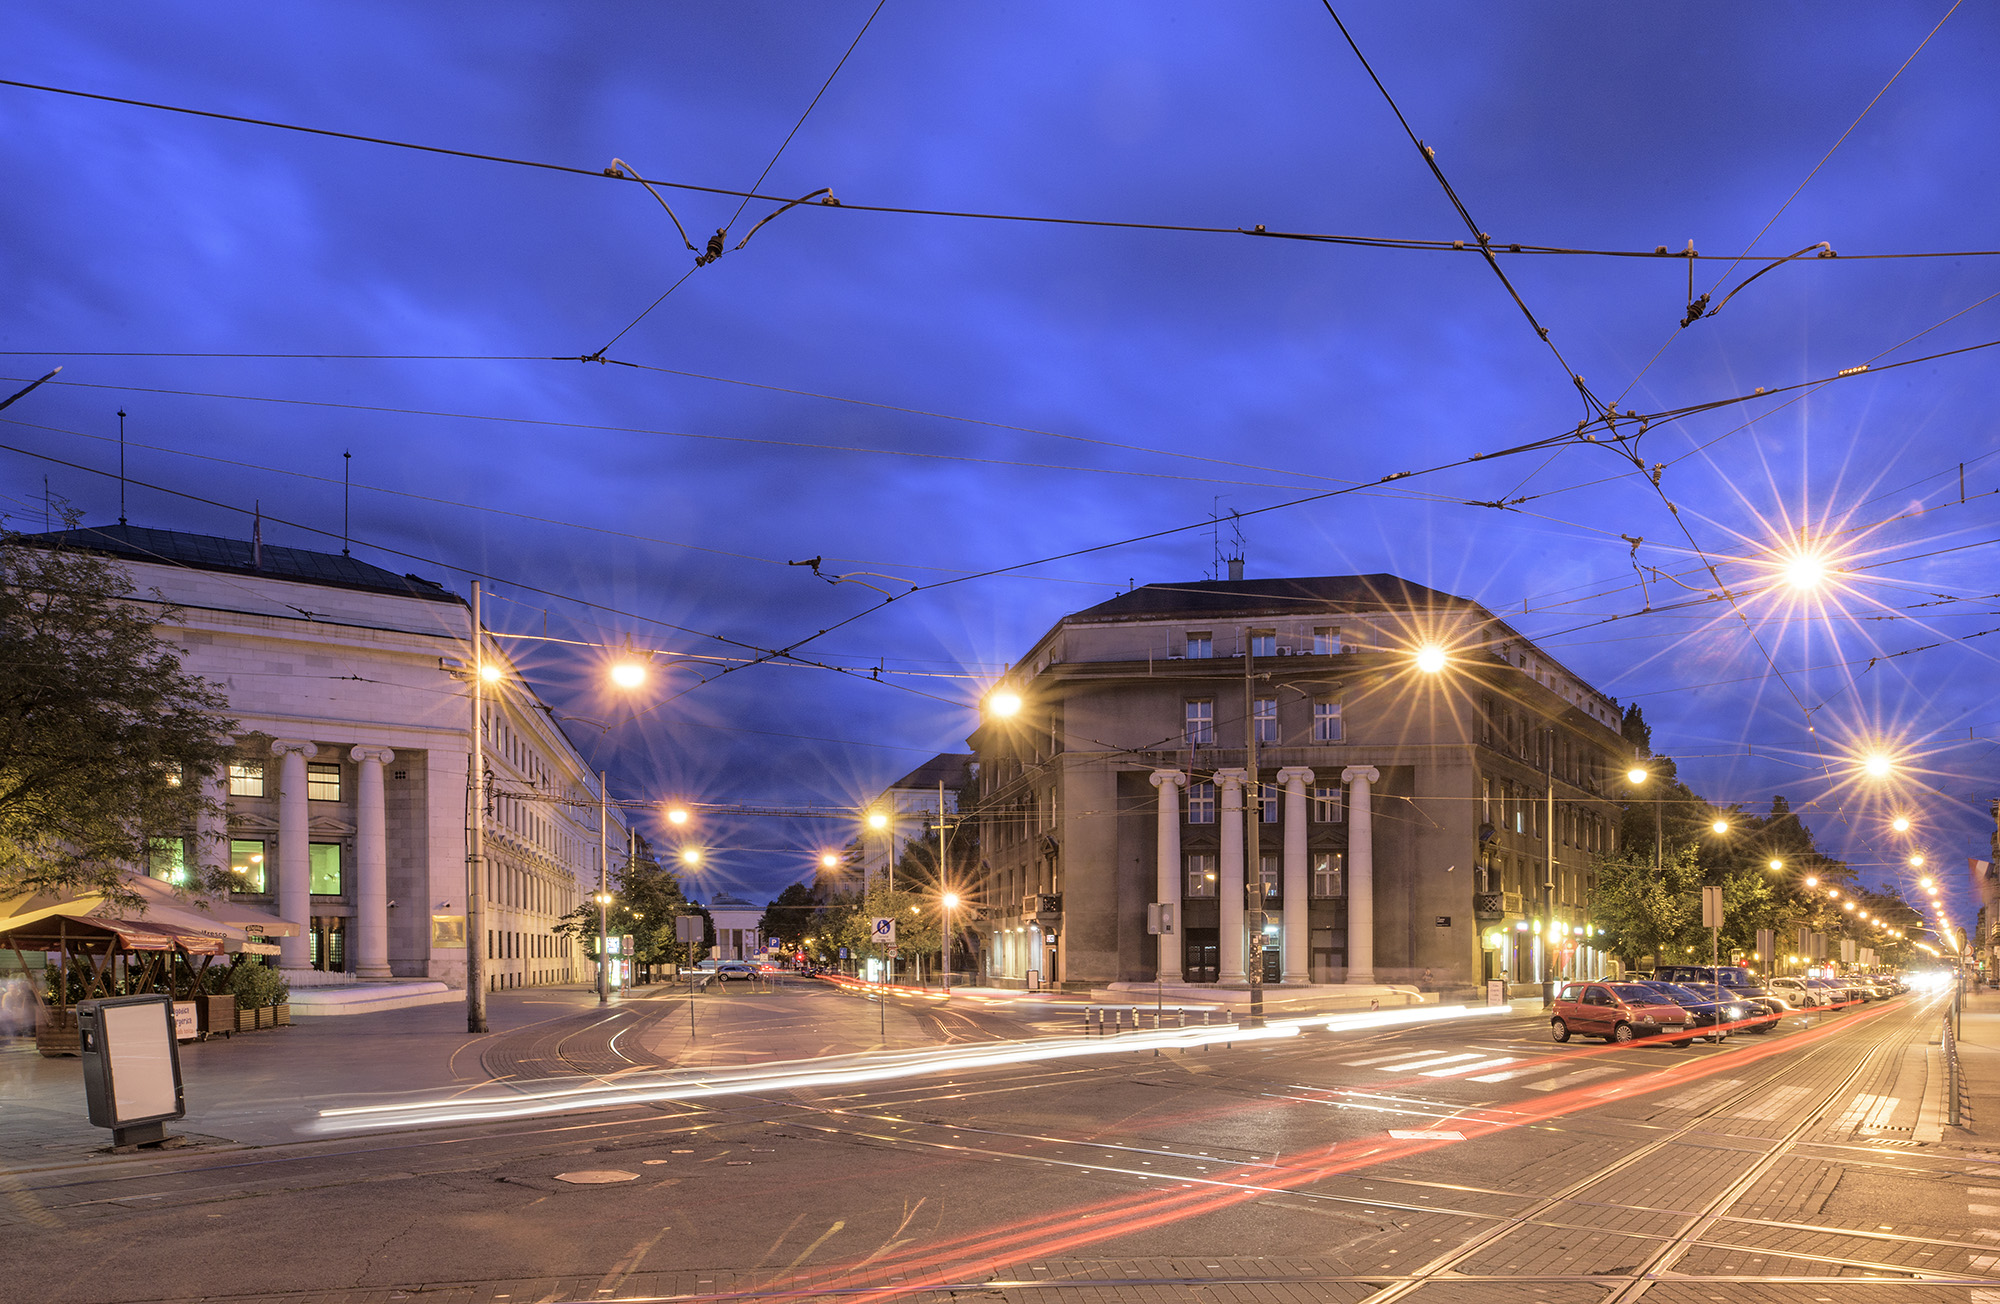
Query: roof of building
240 556
729 901
1306 593
946 767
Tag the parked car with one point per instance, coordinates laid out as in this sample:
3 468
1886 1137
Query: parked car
1617 1012
1760 1013
729 969
1714 1009
1738 981
1802 993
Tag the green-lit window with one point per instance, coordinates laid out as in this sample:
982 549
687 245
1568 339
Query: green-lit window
246 778
323 782
325 862
247 870
168 860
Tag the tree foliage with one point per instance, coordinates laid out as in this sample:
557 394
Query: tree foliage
646 901
103 736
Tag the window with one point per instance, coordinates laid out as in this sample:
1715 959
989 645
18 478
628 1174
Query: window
1200 723
324 862
1200 874
1263 642
1326 803
1326 874
1269 876
247 871
1200 645
246 778
1267 802
1201 803
1264 711
1326 640
167 859
1326 720
323 781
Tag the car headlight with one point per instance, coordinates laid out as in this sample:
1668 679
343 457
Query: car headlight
1735 1011
1647 1018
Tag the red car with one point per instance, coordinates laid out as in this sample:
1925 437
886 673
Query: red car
1616 1012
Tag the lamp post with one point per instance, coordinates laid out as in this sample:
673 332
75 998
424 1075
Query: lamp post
950 900
475 845
603 886
1635 776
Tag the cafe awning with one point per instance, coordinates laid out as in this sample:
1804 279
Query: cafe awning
161 920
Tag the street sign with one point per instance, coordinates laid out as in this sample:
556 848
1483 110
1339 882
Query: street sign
1711 907
688 928
882 931
1160 919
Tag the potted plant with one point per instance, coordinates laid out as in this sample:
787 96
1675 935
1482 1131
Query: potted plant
216 1005
259 990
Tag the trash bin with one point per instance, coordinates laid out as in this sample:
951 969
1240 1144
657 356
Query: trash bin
131 1067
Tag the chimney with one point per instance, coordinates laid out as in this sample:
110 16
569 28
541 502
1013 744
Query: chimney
1235 568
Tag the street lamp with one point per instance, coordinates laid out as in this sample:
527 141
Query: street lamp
1901 824
1006 703
1636 776
1877 765
677 816
1719 826
1431 658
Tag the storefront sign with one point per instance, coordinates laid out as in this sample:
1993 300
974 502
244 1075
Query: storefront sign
448 932
187 1024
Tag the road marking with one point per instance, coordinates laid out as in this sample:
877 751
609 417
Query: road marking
1780 1100
1426 1062
1381 1059
1982 1190
1428 1136
1511 1074
1570 1079
1457 1069
1984 1210
1701 1096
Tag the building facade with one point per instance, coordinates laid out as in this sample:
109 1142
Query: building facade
348 794
1346 779
910 809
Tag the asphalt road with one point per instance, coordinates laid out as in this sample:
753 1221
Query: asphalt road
1473 1162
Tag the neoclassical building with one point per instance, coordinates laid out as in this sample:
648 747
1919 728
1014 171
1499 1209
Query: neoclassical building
347 796
1341 779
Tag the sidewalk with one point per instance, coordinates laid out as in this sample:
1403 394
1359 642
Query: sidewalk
1979 1065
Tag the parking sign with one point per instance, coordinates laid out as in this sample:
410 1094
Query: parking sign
884 931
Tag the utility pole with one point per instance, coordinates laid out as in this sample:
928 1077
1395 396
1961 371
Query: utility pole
475 854
603 887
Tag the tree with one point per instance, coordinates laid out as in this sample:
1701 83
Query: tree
647 900
103 736
791 918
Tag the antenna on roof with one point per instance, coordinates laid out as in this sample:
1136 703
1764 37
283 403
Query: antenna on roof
257 539
121 466
346 491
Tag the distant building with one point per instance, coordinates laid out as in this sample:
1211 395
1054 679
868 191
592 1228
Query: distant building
738 927
908 810
348 793
1411 824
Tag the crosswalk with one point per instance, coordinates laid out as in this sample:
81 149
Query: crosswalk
1487 1065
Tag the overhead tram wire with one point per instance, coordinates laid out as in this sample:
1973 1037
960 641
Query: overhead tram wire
1257 231
1745 256
1595 406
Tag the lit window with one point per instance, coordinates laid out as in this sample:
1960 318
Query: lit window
1265 712
1269 876
1200 874
1200 723
1267 802
325 867
1326 874
247 871
323 782
246 778
1200 645
1326 640
1201 803
167 859
1326 803
1326 720
1263 642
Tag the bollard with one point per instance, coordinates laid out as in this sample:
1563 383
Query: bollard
1088 1010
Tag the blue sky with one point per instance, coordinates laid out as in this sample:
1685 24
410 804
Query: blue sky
1020 390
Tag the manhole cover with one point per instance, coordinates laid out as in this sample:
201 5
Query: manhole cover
597 1177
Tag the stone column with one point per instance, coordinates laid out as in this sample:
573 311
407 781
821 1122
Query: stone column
371 865
211 829
1296 885
294 851
1360 873
1168 863
1230 888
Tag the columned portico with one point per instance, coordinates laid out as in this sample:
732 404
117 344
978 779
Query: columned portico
1230 889
1360 872
1168 869
294 851
371 864
1294 780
